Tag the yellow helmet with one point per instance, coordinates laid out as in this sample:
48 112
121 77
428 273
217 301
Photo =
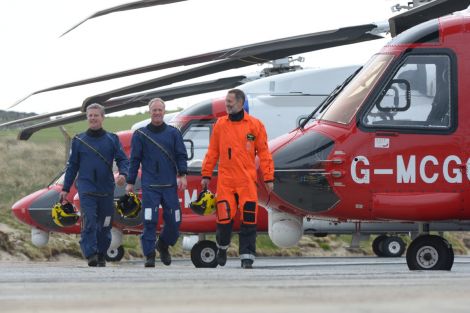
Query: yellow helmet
204 204
129 205
64 215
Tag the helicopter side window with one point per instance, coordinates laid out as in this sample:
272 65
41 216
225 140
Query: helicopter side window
417 96
196 138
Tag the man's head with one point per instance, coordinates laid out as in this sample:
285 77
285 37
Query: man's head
95 116
234 101
157 111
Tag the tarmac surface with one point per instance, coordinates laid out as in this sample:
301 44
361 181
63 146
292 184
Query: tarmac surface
284 284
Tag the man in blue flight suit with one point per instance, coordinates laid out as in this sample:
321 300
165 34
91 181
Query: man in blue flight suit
91 156
160 149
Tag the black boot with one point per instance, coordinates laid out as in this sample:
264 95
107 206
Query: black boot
165 256
247 263
150 260
221 256
93 260
101 260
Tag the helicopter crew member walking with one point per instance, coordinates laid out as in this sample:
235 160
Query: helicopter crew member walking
91 156
160 149
235 142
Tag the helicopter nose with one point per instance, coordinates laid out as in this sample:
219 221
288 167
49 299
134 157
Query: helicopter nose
35 209
301 179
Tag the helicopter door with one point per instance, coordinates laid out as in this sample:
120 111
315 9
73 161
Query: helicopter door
414 149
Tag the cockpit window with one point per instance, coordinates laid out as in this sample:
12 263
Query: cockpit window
199 134
417 96
345 106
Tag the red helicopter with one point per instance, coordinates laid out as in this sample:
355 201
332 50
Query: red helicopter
393 144
310 156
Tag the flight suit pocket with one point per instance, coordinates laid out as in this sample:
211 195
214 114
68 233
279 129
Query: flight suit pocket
249 212
223 211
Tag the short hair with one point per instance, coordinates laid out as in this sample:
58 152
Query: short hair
95 106
239 94
157 100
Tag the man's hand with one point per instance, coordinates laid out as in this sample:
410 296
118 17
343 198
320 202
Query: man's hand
269 187
205 183
63 197
121 180
129 188
182 182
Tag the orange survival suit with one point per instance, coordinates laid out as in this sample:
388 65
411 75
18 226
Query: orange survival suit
235 144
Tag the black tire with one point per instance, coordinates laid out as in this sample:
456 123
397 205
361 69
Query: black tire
114 255
451 257
393 247
430 252
203 254
377 245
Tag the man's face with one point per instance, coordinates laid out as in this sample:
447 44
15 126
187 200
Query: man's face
95 119
232 106
157 112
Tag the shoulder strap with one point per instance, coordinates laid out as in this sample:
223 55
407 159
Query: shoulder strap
165 152
95 151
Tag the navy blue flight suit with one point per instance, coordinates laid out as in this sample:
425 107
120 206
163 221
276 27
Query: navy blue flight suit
158 179
95 184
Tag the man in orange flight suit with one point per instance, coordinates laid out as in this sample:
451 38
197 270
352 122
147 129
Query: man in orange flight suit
235 142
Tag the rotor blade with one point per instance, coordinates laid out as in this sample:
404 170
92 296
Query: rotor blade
39 117
400 23
124 7
249 54
168 94
116 105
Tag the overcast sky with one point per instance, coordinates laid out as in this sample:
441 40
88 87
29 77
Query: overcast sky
34 57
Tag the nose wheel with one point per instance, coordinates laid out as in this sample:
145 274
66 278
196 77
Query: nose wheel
203 254
388 246
430 252
114 255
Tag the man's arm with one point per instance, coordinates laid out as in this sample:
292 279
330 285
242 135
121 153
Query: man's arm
70 171
266 160
181 156
212 155
135 159
122 162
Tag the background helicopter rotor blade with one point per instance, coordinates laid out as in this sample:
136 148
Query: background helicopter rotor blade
138 100
252 54
124 7
245 55
423 13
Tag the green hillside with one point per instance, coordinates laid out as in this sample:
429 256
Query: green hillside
112 124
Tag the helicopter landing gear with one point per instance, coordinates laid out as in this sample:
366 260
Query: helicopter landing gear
430 252
203 254
388 246
115 255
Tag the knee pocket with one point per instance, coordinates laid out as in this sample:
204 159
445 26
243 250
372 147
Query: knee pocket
249 212
223 211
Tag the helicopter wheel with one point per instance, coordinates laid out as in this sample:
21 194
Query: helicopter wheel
377 245
114 255
393 247
203 254
390 247
430 252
